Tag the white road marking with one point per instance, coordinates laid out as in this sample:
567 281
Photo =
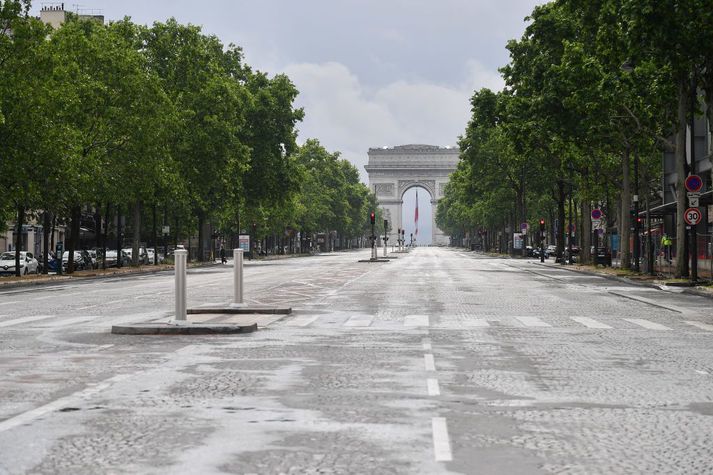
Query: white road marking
47 297
532 322
301 321
10 303
441 442
701 325
590 322
433 387
69 321
426 342
429 362
416 321
18 321
476 322
701 372
647 324
359 321
57 404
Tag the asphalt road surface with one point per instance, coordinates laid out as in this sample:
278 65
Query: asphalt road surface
438 362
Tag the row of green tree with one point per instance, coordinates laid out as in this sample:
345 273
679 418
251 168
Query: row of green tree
593 90
124 118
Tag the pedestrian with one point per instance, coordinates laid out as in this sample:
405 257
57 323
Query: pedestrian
223 260
666 243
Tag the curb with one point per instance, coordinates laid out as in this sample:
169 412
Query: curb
189 329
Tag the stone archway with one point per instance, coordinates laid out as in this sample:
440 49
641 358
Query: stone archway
392 171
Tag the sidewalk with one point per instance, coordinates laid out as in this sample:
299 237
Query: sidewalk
631 277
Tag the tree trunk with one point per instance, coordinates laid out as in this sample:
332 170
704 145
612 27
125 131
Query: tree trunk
135 241
18 238
680 157
624 224
119 241
46 224
585 234
561 232
201 237
105 233
74 238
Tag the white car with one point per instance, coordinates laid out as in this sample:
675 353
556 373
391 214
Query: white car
28 263
151 253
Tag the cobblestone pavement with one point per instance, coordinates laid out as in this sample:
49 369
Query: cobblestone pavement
440 361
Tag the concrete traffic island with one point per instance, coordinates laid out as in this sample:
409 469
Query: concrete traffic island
236 317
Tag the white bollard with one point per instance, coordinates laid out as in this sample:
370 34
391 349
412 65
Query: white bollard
180 256
238 276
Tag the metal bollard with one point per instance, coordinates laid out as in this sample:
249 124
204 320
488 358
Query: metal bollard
238 276
180 256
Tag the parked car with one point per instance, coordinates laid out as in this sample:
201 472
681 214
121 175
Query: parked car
80 262
151 255
551 250
143 255
28 263
91 256
111 259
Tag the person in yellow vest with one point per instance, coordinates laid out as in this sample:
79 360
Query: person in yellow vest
666 243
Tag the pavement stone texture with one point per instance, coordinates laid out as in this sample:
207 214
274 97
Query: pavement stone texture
441 361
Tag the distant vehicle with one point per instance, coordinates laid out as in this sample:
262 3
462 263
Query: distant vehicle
28 263
551 250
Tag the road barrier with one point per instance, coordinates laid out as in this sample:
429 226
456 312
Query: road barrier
181 257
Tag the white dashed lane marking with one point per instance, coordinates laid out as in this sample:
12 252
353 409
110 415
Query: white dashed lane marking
441 442
590 323
429 362
647 324
433 387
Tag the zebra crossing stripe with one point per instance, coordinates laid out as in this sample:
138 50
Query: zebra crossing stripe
433 387
358 321
647 324
301 321
416 321
532 322
590 323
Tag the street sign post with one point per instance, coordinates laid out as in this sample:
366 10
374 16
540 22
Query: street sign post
596 214
693 199
693 183
692 216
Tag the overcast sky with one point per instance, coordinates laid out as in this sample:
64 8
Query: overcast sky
371 73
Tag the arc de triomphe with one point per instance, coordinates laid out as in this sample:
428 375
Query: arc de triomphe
393 171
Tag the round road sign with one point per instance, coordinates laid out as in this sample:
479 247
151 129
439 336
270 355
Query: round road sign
596 214
692 216
693 183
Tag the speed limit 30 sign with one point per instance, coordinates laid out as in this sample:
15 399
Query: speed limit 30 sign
692 216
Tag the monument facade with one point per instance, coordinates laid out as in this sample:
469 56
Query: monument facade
394 170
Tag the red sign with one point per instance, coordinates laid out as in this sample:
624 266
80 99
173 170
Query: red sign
693 183
692 216
596 214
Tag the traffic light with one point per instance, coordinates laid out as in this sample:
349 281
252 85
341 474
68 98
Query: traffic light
372 217
542 224
386 225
